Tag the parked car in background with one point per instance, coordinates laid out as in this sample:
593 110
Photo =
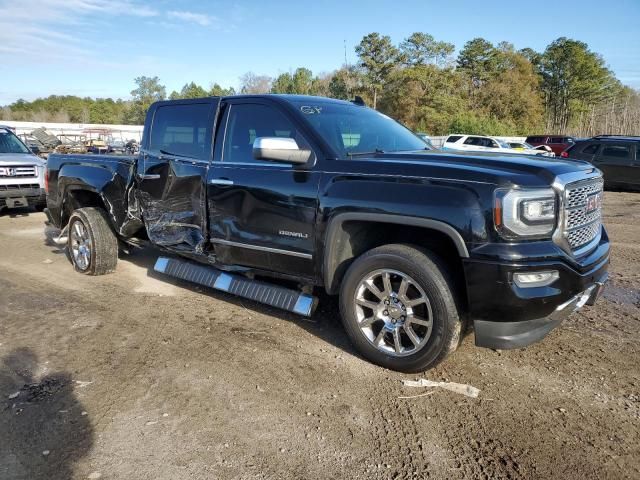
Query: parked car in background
617 156
21 174
479 143
557 143
526 146
426 139
117 146
97 146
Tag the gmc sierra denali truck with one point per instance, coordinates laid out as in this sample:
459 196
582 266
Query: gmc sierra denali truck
275 197
21 174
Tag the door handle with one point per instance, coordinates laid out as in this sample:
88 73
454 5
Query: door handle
150 176
221 181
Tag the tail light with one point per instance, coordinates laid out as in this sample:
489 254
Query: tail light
564 155
46 180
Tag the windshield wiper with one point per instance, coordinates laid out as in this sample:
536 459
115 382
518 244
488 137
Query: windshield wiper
360 154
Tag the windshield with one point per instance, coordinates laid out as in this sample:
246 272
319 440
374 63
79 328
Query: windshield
9 143
353 130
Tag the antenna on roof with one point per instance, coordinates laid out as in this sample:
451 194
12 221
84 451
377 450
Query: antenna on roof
359 101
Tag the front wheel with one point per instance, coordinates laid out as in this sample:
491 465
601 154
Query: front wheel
398 308
92 244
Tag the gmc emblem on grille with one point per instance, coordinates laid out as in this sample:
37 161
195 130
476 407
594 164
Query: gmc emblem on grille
594 202
11 172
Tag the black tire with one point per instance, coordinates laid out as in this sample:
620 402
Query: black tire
103 255
431 274
40 206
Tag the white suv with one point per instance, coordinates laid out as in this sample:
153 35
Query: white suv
479 143
21 174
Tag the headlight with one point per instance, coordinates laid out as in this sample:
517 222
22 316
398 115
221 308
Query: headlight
525 213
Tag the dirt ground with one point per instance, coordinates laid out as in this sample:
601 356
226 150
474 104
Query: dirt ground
137 376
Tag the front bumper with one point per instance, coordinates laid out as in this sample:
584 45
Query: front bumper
32 194
507 316
506 335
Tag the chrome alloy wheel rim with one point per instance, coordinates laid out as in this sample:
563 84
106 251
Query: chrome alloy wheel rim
393 312
80 245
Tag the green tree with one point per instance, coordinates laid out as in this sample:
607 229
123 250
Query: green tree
478 59
378 58
421 49
282 84
425 97
148 90
217 91
574 79
300 82
512 96
189 90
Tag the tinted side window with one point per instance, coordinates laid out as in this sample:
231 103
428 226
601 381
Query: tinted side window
249 121
473 141
181 130
616 152
590 149
535 139
453 138
557 140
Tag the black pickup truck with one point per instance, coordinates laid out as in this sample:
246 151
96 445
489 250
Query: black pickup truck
275 197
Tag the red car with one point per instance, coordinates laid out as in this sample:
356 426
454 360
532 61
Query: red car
557 143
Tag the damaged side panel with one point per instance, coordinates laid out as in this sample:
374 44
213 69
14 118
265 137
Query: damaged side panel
172 171
174 206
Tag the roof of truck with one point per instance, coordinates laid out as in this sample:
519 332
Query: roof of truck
293 98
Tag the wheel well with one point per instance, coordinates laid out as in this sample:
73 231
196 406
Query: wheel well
80 199
355 237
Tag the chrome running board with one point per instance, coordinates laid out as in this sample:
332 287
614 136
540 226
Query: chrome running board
256 290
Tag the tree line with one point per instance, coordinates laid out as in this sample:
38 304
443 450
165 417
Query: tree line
485 89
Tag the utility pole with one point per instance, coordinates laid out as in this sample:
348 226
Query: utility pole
345 53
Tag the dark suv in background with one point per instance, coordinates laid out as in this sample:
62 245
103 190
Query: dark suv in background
557 143
617 156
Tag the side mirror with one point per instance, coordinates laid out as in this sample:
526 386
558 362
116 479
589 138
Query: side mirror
280 149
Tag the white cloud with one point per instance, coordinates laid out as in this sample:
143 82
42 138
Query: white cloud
199 18
51 30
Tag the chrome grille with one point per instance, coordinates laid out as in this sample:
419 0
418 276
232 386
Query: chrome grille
577 193
582 224
18 171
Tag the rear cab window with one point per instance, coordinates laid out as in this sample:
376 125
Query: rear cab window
453 138
182 130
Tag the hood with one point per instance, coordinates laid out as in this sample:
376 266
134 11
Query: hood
7 159
496 168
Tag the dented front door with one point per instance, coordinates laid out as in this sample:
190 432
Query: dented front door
172 174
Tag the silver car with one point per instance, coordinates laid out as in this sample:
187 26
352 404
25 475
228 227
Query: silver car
21 174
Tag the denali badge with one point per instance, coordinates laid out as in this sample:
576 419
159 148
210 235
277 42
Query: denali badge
293 234
593 202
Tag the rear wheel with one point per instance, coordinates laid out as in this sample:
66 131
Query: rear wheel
92 244
398 308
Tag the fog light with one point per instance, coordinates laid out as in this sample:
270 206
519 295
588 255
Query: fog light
535 279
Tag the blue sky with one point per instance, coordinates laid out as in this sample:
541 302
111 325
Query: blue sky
96 47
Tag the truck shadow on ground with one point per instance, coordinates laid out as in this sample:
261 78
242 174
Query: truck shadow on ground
43 429
325 323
